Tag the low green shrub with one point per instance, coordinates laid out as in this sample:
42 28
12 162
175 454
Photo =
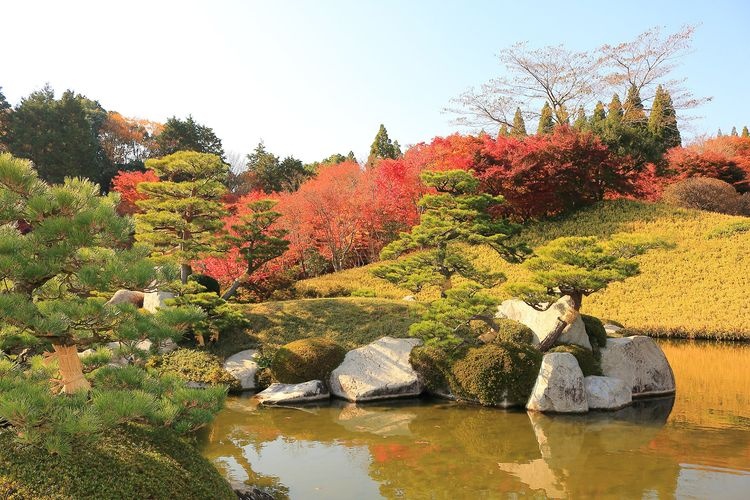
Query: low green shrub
513 331
194 366
433 366
728 230
129 462
495 373
595 330
586 360
306 359
209 283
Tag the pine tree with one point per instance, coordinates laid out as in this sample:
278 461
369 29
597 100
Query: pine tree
504 131
255 238
745 132
581 123
458 213
599 116
519 126
187 135
545 120
662 122
734 133
183 210
562 115
350 157
614 111
719 133
382 147
577 267
633 108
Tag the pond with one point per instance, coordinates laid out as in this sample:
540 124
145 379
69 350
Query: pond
694 445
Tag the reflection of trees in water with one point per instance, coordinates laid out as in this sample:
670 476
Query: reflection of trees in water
426 449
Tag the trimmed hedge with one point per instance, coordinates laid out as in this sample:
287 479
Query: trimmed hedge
433 367
306 359
194 366
595 330
132 462
586 360
495 373
513 331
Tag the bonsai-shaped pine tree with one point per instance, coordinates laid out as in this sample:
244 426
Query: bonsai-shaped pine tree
456 214
256 240
182 211
577 267
61 246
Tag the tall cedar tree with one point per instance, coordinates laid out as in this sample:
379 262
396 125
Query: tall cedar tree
545 120
614 111
183 210
519 126
255 238
581 123
382 147
745 132
457 213
598 116
58 246
270 174
633 107
577 267
662 122
35 133
187 135
734 133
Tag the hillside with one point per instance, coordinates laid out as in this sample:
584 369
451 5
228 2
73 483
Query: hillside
697 289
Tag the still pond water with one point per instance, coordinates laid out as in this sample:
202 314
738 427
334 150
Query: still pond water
696 445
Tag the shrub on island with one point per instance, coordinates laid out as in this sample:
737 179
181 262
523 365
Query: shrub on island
306 359
595 330
586 360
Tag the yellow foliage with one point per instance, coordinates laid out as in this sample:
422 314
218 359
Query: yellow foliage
697 289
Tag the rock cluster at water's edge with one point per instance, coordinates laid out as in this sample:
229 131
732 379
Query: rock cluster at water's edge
276 394
243 366
542 323
559 388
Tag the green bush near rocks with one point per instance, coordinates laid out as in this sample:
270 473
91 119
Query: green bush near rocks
513 331
130 462
433 367
496 373
306 359
586 360
194 366
595 330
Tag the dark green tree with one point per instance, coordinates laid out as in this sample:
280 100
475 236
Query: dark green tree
457 214
187 135
614 111
662 122
519 126
272 175
734 133
598 116
59 136
633 112
382 147
745 132
5 110
255 238
545 120
577 267
182 211
581 122
503 131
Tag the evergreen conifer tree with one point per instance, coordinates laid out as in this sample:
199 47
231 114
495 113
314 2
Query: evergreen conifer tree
187 135
719 133
382 147
5 111
581 122
662 122
503 132
519 126
614 111
183 210
633 108
545 120
734 133
745 132
599 116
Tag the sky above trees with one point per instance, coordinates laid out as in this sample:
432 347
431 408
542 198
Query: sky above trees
314 78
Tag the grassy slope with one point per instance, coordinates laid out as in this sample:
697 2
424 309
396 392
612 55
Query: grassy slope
697 289
350 321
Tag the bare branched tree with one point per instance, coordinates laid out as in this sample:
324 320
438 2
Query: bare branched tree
567 79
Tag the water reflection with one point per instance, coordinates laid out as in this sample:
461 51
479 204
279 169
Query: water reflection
433 449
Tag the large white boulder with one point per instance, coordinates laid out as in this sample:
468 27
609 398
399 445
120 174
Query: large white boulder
155 300
607 393
275 394
379 370
542 323
640 363
559 386
243 366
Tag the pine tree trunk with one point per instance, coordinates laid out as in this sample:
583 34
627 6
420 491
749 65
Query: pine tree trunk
71 369
185 272
232 289
562 323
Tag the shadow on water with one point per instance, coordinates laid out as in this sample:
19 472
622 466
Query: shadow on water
435 449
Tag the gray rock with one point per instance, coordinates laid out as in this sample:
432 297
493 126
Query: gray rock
275 394
607 393
542 323
612 329
155 300
127 297
559 387
243 366
639 362
379 370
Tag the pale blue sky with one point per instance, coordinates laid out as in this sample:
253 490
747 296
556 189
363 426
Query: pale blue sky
315 77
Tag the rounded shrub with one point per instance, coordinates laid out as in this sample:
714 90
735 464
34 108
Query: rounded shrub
704 193
512 331
495 373
193 366
208 282
432 366
586 360
306 359
595 330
